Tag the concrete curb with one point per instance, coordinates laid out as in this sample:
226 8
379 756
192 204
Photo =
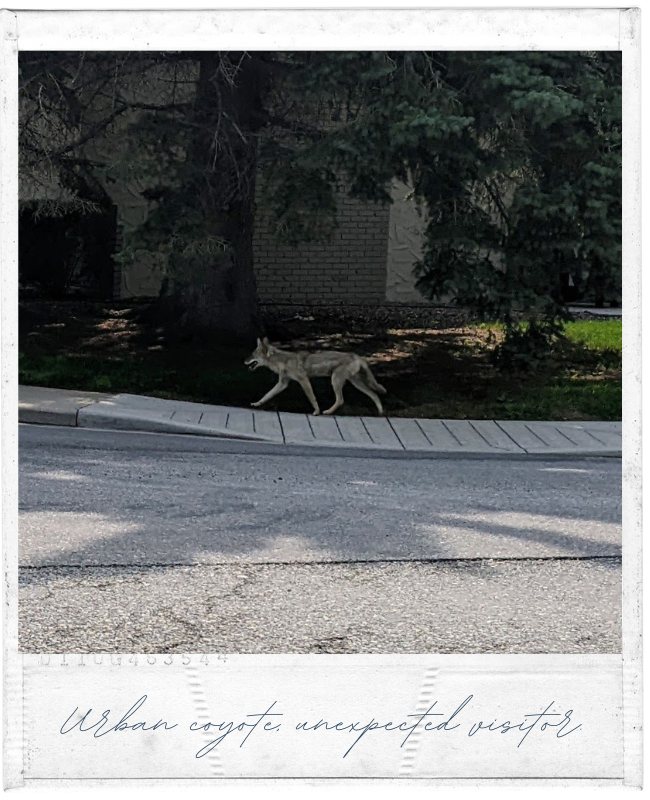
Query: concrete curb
43 406
400 437
342 449
108 420
38 416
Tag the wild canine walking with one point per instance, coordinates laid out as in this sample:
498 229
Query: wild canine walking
300 367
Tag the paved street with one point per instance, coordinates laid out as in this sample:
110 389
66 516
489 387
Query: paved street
135 542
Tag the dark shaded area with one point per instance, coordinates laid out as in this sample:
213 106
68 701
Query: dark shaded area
71 254
442 370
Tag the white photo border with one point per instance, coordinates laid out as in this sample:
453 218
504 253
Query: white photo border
325 29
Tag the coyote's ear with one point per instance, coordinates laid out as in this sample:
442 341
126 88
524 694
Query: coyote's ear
259 342
266 341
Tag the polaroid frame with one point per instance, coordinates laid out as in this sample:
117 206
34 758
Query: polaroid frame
607 688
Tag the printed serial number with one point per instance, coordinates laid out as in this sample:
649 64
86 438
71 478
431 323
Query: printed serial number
126 660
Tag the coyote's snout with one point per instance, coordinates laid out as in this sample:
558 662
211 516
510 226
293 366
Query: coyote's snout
300 367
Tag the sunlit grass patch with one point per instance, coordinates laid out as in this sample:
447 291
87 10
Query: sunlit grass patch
597 334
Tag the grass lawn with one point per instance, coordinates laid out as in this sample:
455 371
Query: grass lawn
433 371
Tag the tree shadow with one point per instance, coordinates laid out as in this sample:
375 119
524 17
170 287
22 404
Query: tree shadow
126 509
443 370
99 525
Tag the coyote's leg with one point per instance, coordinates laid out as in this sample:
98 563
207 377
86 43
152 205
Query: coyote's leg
339 377
361 386
303 380
280 386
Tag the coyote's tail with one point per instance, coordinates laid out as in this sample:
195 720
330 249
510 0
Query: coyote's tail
370 378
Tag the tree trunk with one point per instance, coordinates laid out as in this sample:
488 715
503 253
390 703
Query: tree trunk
219 298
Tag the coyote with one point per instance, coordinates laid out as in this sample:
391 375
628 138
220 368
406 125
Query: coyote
301 367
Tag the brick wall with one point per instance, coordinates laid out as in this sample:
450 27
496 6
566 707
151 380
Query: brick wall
347 268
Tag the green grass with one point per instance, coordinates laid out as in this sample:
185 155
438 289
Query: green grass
600 335
597 335
565 399
153 376
430 373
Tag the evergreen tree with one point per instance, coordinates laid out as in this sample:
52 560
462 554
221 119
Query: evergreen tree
514 157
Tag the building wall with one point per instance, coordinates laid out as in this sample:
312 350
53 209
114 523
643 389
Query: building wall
368 260
141 278
348 268
406 229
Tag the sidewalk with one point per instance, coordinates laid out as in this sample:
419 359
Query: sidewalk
466 437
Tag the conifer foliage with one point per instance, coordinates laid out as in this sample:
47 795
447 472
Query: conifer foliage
514 158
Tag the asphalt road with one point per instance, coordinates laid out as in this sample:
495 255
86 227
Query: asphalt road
158 543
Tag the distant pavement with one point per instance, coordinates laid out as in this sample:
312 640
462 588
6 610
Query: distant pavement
394 435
